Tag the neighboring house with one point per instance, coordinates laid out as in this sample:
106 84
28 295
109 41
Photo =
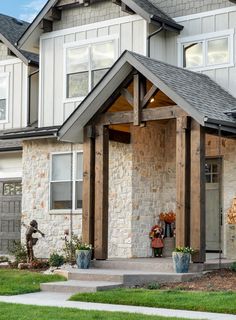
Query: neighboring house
148 166
17 74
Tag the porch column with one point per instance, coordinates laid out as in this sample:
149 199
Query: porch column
88 186
197 211
101 193
182 182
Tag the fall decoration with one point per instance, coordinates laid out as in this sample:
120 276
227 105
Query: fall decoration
231 214
168 217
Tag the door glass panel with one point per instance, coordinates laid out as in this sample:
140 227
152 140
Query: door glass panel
79 194
218 51
79 170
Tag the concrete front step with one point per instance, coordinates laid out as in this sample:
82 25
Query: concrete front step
126 277
74 286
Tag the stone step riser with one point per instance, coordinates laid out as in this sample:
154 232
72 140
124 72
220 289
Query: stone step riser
95 277
147 267
65 289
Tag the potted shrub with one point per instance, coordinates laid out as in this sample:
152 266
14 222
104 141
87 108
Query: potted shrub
83 255
181 259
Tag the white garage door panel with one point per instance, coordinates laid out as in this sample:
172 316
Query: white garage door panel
11 165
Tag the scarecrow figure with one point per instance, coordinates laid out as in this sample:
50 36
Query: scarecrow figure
30 240
157 244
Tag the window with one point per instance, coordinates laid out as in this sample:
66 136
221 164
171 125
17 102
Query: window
86 65
66 181
206 51
3 97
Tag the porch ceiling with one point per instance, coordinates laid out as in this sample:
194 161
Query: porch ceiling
198 95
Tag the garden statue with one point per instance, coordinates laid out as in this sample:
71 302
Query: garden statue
30 240
157 243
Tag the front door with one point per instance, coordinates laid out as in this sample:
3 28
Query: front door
10 213
213 214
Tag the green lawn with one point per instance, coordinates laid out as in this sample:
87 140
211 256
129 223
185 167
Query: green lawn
24 312
222 302
18 282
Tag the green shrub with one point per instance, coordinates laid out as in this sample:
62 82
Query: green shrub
56 260
233 267
4 259
19 252
153 286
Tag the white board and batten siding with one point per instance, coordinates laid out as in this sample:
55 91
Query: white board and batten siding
17 95
167 45
54 108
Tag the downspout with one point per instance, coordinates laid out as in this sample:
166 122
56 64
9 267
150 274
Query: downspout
29 97
152 35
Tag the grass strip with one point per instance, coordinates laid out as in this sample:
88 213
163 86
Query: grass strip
13 282
220 302
25 312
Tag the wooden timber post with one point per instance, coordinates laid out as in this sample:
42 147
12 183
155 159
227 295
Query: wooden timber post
88 186
182 182
139 93
197 211
101 193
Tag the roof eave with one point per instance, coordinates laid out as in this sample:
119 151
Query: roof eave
168 25
14 49
35 22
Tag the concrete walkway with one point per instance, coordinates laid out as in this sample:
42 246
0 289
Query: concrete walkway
60 300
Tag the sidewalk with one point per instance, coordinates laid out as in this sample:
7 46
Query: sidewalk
60 300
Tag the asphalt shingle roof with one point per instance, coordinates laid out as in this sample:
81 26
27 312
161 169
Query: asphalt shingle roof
155 13
12 29
197 89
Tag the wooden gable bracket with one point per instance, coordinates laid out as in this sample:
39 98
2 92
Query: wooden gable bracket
46 25
54 14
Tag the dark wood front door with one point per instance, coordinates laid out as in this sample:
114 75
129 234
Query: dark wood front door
10 213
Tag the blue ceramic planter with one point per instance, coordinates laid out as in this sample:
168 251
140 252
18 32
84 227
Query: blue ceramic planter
181 262
83 258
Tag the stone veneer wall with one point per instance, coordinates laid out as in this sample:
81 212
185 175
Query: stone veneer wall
153 180
120 200
228 151
96 12
35 200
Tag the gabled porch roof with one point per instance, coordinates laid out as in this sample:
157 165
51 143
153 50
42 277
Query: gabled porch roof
198 95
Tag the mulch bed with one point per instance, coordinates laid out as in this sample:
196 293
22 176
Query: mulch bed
220 280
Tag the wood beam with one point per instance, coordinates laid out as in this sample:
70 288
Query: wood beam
119 136
162 113
197 193
101 193
182 182
88 187
151 93
46 25
54 14
137 100
128 96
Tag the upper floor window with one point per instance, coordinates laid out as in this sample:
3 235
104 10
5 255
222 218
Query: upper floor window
66 181
3 97
86 65
206 51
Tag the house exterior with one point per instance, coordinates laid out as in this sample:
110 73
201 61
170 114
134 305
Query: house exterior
17 74
66 163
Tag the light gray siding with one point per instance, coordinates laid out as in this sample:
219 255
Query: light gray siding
210 22
130 33
17 93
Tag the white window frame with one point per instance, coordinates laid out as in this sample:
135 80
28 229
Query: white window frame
79 44
7 76
204 38
74 180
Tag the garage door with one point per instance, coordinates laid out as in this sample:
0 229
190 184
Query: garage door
10 213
